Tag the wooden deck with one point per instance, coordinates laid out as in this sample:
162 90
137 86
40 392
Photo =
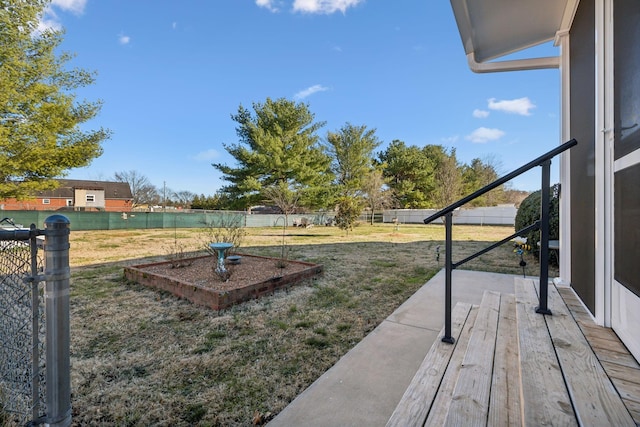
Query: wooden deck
512 366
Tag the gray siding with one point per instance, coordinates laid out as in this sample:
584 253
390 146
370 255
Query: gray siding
583 155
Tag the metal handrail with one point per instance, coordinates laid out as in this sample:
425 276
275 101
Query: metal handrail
542 224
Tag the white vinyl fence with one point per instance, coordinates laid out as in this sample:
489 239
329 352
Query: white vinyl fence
494 215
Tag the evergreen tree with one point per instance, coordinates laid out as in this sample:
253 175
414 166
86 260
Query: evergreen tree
40 134
410 172
477 175
278 146
352 149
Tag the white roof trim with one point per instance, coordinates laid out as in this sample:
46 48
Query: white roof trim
513 65
491 29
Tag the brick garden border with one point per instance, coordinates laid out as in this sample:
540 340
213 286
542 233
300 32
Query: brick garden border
218 299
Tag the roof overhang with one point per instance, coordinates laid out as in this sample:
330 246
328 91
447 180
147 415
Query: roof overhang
491 29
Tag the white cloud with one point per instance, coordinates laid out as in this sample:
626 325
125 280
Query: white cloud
174 25
50 20
310 91
483 135
207 155
122 39
450 139
480 114
323 6
519 106
311 6
268 4
75 6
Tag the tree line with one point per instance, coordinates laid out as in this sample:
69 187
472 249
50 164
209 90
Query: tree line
280 159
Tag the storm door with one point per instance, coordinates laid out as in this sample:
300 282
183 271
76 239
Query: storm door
625 291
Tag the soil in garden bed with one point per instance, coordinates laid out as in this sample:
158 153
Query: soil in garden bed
251 269
196 280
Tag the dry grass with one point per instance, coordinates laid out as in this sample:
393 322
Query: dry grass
140 357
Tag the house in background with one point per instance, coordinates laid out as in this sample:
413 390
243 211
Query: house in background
78 195
599 67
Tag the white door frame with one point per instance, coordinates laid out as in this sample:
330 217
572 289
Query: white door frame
563 40
616 306
604 139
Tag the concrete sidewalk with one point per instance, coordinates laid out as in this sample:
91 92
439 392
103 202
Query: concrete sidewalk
366 384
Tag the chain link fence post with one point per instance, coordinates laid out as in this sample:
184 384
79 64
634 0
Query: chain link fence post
57 275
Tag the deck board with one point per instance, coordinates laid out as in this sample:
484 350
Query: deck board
470 402
634 409
504 405
442 401
617 362
594 397
513 366
416 401
545 397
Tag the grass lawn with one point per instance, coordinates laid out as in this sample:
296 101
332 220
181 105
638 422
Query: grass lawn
142 357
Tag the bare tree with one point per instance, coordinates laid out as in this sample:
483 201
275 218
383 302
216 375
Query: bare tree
376 195
142 191
284 198
183 198
449 181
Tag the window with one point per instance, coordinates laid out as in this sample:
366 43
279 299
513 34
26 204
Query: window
46 201
91 198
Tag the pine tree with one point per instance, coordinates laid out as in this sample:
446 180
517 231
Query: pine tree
40 137
278 145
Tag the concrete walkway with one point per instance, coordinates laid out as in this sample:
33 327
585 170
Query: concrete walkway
366 384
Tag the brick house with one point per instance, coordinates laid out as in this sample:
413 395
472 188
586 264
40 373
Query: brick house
78 195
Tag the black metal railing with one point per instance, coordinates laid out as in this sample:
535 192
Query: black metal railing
542 224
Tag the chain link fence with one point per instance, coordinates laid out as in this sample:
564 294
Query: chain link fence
34 317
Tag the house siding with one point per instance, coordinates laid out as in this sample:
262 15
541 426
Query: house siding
72 195
110 205
582 171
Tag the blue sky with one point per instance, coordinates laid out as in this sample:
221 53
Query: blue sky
171 73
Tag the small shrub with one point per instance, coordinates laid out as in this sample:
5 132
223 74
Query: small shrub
225 228
178 255
349 210
529 212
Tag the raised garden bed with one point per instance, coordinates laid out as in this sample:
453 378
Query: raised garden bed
196 281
